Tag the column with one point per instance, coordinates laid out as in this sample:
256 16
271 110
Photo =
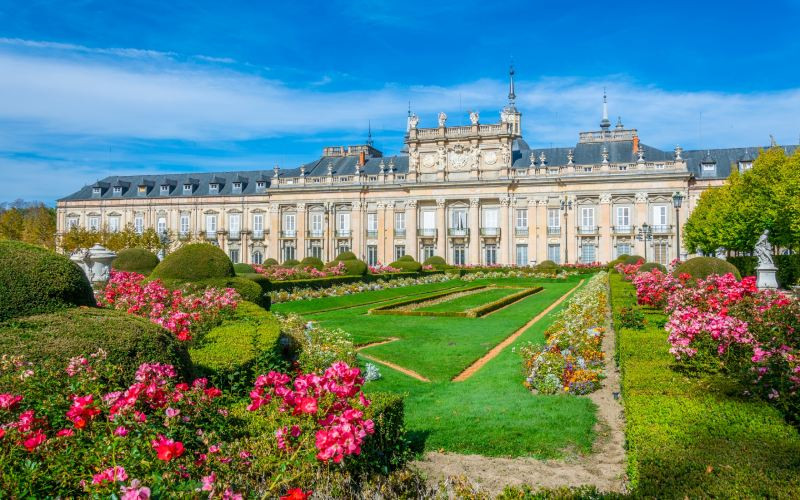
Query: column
604 223
505 235
541 230
640 211
388 231
441 229
474 231
358 229
381 214
328 240
411 228
301 231
571 237
274 230
532 231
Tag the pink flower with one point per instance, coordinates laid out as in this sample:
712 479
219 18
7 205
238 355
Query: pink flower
135 491
121 431
208 482
65 433
8 400
110 475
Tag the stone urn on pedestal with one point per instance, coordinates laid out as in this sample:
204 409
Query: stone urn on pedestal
766 270
95 263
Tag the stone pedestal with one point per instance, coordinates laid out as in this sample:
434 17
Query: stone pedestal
765 277
95 263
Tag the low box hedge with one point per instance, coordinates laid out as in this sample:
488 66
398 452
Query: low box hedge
502 302
327 282
390 309
243 346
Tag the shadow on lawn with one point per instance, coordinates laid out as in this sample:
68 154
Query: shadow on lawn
416 441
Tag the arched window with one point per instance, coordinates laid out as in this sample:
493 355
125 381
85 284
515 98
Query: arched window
258 257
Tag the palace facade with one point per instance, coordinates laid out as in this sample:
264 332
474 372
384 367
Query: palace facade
475 194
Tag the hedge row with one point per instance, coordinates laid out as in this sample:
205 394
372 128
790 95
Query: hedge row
318 283
233 353
788 268
502 302
391 308
248 289
695 437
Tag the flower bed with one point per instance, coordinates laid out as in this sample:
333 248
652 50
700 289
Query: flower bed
381 269
278 273
174 310
511 273
304 293
571 362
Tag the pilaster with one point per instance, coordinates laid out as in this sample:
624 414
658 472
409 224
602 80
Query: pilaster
532 231
359 231
505 235
604 250
640 208
441 229
301 231
474 231
274 231
411 228
381 236
388 234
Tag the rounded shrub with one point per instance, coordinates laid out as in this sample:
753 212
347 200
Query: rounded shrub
407 265
355 267
61 335
547 266
435 261
135 260
270 262
406 258
702 267
632 259
242 268
35 280
649 266
345 256
312 262
290 262
195 261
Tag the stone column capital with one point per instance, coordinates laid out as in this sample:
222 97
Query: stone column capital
389 205
641 197
411 203
274 208
357 205
504 200
474 202
605 198
301 207
380 205
440 202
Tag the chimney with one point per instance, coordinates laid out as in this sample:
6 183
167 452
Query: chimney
362 158
635 143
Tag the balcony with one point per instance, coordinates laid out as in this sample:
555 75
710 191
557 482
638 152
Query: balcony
491 232
258 234
211 235
315 233
458 232
289 233
662 229
587 230
372 233
553 230
622 229
520 231
234 235
426 233
399 233
343 233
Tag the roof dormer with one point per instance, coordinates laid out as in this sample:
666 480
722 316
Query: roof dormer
99 188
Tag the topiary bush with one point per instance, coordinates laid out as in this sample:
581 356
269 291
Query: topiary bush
242 268
406 258
290 262
632 259
35 280
355 267
702 267
312 262
409 265
195 261
128 340
270 262
649 266
547 266
135 260
435 261
345 256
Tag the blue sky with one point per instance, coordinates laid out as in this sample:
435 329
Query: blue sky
90 89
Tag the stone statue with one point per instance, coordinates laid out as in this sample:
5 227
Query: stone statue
442 119
474 117
505 153
413 120
764 251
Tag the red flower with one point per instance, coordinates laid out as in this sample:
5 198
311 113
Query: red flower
308 405
296 494
167 449
33 440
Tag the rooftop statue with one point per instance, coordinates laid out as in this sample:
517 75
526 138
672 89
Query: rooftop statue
442 119
474 117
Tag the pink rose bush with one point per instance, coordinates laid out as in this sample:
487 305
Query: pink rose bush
174 310
382 269
628 271
278 273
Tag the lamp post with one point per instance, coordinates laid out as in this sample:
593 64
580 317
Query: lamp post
566 206
677 200
645 234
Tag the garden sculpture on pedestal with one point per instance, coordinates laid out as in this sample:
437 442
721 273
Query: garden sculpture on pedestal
766 269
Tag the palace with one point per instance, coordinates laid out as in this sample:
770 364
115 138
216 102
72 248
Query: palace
475 194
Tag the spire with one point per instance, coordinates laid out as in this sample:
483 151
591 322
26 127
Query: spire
605 123
511 95
369 133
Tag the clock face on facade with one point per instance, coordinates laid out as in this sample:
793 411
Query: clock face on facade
490 158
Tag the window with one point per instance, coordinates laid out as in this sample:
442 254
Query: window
211 226
343 247
661 252
261 186
553 217
234 225
187 189
587 217
213 188
399 251
184 224
233 253
372 255
94 223
522 255
96 191
554 252
343 221
258 225
117 190
258 257
72 222
490 218
588 253
709 168
660 218
316 224
142 190
164 189
458 219
113 224
161 225
288 251
372 223
623 220
490 254
459 255
138 224
744 166
521 218
587 169
427 252
289 227
429 219
623 249
316 249
399 221
237 187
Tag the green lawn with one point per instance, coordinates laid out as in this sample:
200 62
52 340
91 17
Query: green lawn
470 301
490 413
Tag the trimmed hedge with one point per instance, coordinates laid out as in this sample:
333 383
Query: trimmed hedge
345 256
632 259
135 260
317 283
128 340
649 266
248 289
388 448
408 265
242 268
270 262
290 263
312 262
388 309
35 280
435 261
693 437
243 346
502 302
406 258
702 267
193 262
